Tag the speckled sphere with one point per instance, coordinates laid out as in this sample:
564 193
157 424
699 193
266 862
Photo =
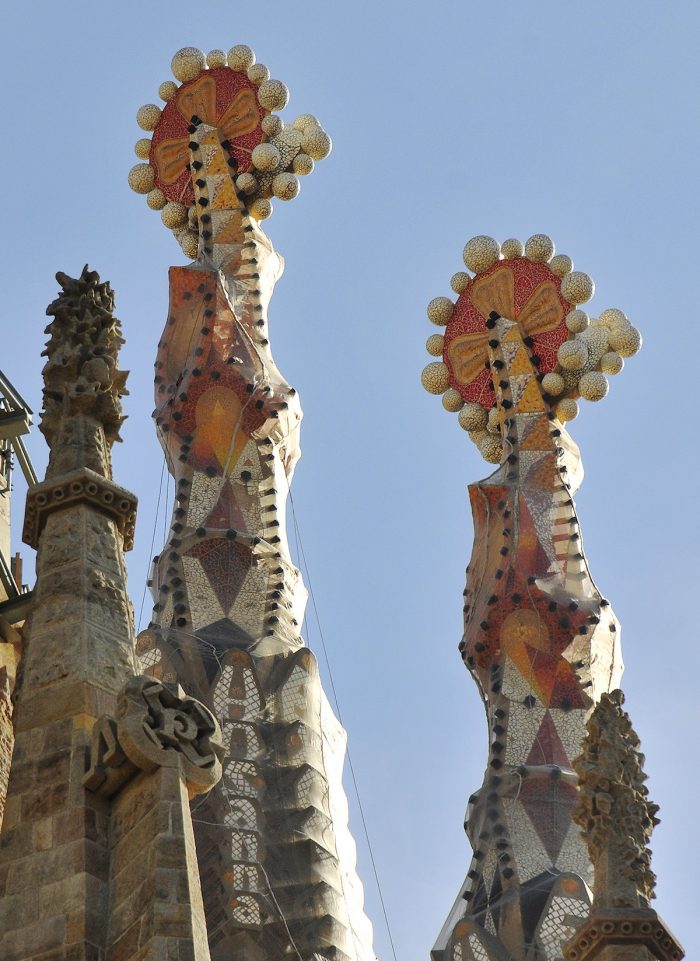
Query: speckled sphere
258 73
460 281
285 186
566 409
577 321
577 287
572 354
265 156
156 199
539 248
260 209
452 399
147 117
271 125
167 90
316 143
512 248
553 384
246 183
480 253
273 95
593 386
142 148
174 215
627 341
435 377
613 317
216 58
473 417
440 310
493 424
561 265
302 165
490 448
304 121
435 345
611 363
240 57
188 64
141 178
189 243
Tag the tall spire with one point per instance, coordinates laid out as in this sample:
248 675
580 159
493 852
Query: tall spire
276 858
540 640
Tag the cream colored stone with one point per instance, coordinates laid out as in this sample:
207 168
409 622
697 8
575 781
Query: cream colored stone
188 63
480 253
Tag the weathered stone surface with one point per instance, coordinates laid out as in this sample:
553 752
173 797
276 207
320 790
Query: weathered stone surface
6 737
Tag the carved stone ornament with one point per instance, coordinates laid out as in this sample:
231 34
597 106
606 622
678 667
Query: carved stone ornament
154 727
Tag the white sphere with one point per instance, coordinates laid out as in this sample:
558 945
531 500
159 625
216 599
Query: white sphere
271 125
612 317
460 281
577 321
577 287
141 178
265 156
572 354
512 248
285 186
435 345
174 215
167 90
440 310
539 248
473 417
493 424
435 377
246 183
216 58
147 117
596 339
188 63
260 209
302 165
553 384
273 95
627 341
490 448
316 143
452 400
240 57
156 199
611 363
258 73
142 149
480 253
566 409
561 264
304 121
593 386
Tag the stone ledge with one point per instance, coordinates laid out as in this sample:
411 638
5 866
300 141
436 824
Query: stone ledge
623 926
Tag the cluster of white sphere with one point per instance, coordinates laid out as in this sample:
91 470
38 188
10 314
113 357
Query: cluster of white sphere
288 153
596 350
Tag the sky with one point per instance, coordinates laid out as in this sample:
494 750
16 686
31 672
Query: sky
449 119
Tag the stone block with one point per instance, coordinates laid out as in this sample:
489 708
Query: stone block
36 938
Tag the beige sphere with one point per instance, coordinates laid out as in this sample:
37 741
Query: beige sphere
302 165
572 354
435 377
142 149
512 248
216 58
480 253
273 95
174 215
265 156
271 125
260 209
258 73
490 448
316 143
189 243
285 186
240 57
452 400
304 121
493 424
577 287
612 317
611 363
577 321
188 63
627 341
561 264
147 117
593 386
473 417
539 248
440 310
167 90
566 409
156 199
460 281
553 384
246 183
141 178
435 345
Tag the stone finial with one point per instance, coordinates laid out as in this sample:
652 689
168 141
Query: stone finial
613 808
81 374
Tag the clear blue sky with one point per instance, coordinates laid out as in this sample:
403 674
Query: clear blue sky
449 119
